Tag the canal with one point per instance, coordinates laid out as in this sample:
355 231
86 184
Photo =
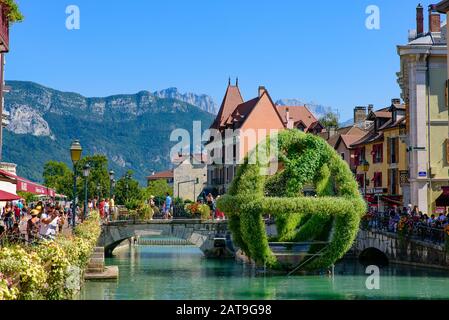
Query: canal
181 272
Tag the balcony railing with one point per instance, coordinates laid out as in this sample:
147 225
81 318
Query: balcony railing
4 30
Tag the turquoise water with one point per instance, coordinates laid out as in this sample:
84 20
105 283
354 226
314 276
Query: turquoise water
176 273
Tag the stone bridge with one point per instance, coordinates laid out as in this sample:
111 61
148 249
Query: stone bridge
379 247
212 237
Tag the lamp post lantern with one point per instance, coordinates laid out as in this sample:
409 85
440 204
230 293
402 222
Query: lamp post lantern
75 155
86 172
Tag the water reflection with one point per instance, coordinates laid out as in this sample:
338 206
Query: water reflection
172 273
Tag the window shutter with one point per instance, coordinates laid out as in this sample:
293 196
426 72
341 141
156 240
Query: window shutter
380 179
396 181
390 189
447 93
447 150
374 153
381 151
396 149
389 150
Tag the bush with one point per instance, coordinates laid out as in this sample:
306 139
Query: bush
41 271
26 271
145 213
334 215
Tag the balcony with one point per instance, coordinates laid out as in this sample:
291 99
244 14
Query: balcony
4 30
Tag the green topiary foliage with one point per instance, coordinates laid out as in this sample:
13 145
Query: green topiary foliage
333 215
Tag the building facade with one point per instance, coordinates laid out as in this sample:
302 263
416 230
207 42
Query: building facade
190 177
240 126
380 159
422 78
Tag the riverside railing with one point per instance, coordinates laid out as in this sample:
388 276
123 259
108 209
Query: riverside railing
416 230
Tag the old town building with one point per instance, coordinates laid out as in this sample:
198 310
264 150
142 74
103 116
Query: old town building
380 158
422 78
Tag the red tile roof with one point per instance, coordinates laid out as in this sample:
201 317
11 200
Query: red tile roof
241 112
231 100
161 175
297 113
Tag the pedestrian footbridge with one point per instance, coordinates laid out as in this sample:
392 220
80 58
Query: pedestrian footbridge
382 247
212 237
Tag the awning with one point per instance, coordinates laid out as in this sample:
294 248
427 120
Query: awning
6 196
25 185
443 199
392 200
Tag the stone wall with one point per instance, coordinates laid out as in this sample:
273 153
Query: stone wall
411 252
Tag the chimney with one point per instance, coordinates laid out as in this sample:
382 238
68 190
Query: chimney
289 121
262 90
419 20
434 19
396 101
370 108
332 131
359 114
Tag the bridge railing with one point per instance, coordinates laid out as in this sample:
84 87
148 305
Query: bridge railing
416 230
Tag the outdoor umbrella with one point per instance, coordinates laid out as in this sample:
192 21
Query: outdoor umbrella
6 196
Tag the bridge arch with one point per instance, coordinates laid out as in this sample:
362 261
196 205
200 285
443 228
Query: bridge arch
200 234
373 256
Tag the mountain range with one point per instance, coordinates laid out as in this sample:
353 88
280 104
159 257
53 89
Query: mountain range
132 130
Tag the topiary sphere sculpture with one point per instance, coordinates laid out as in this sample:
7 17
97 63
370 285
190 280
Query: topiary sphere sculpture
332 216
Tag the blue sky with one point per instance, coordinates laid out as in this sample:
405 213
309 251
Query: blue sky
315 50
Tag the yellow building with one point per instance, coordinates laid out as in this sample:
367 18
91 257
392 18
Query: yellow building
381 158
423 81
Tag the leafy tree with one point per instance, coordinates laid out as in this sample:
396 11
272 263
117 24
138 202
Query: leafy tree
29 197
158 188
98 184
329 120
58 176
128 190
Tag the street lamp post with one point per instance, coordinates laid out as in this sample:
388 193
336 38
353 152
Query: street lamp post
127 177
86 171
365 168
75 155
111 181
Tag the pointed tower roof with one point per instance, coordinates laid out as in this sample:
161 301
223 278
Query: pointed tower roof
231 100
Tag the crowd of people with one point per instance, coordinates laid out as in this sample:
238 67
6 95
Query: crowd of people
44 220
410 219
167 207
22 222
105 206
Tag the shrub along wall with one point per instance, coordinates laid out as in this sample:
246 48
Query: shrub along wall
41 271
334 215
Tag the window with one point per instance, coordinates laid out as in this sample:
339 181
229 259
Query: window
393 150
342 155
360 180
359 156
377 153
393 181
377 180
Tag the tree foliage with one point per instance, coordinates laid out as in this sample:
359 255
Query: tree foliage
333 216
14 14
158 188
330 120
127 190
57 175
